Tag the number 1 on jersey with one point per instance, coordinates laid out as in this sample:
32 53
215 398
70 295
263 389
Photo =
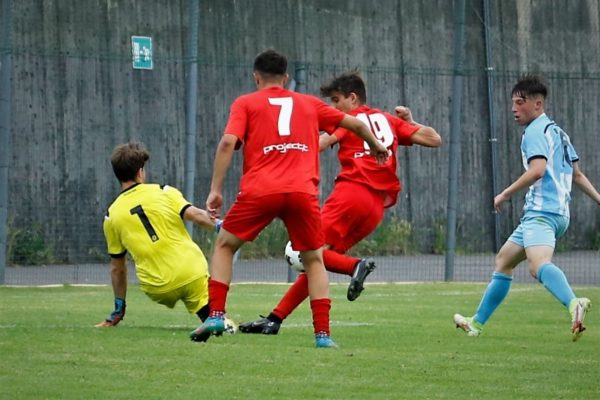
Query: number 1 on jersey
145 221
285 114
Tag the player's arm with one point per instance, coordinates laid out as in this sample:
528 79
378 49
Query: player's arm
326 141
584 184
200 217
223 157
118 275
355 125
425 136
537 168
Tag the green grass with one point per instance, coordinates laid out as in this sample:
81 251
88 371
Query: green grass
396 342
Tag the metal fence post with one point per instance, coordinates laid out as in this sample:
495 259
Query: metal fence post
489 61
454 158
300 87
191 105
5 131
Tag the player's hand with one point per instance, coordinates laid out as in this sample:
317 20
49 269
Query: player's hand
214 202
116 316
404 113
379 151
498 200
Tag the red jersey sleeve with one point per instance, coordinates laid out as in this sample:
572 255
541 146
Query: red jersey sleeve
329 117
403 130
340 133
238 119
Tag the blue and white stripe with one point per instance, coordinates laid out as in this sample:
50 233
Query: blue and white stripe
552 192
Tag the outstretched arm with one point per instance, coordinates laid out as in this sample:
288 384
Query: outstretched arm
118 275
536 170
223 157
326 140
584 184
425 136
200 217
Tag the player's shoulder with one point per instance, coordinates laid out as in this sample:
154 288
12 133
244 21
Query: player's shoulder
166 188
540 125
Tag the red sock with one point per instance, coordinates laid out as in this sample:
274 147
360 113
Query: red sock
217 296
292 298
320 311
339 263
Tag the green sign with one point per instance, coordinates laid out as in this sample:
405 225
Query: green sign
141 51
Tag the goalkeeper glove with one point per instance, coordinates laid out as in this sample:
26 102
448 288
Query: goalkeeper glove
117 315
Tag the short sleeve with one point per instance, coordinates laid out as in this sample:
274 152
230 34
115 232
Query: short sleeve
113 241
535 145
238 120
329 117
403 130
176 199
572 153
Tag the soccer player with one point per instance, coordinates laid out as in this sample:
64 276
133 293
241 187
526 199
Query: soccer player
551 165
363 189
279 130
147 220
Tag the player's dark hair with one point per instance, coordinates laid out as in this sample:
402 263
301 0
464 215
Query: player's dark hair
127 159
346 83
270 63
530 85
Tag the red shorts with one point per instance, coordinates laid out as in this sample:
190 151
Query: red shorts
300 213
350 213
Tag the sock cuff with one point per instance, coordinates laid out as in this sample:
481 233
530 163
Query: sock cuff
326 302
215 283
540 271
502 276
273 317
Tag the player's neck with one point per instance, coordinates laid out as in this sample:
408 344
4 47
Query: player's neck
128 184
268 85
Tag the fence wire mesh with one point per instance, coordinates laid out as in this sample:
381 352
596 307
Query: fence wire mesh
75 96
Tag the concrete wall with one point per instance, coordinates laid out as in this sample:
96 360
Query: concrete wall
75 96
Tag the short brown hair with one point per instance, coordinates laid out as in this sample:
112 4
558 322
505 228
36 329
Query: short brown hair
346 83
127 159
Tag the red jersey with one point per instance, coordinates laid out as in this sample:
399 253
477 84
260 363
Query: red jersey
356 163
279 130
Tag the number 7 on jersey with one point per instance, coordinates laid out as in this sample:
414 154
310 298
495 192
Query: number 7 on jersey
285 114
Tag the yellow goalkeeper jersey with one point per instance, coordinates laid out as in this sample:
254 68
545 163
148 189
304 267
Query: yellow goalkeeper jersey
146 220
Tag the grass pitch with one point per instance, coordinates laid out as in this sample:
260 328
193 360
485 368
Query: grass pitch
396 342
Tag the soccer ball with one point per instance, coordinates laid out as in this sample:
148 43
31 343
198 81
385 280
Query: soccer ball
293 258
230 326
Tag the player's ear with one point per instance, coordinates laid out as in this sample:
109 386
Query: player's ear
286 77
141 175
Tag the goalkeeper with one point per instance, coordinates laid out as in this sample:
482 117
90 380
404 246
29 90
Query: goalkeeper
147 220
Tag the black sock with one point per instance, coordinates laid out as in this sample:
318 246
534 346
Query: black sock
274 318
203 313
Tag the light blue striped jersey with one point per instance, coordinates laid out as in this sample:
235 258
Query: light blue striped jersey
552 192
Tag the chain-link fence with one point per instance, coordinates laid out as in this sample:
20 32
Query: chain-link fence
75 95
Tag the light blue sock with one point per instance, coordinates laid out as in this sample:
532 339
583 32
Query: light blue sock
492 297
556 282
